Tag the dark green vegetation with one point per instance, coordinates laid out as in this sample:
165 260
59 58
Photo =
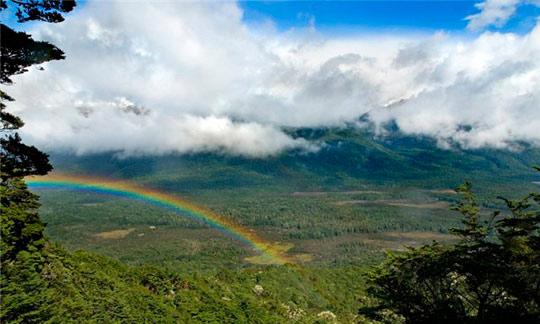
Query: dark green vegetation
492 275
90 288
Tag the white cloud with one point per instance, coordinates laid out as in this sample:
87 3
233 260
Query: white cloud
482 93
495 12
115 126
147 78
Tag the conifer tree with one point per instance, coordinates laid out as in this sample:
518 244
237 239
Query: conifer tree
23 290
491 275
21 227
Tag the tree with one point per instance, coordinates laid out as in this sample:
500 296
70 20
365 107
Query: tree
492 275
23 290
17 160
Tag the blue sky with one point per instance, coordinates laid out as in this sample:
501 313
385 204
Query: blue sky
350 16
337 17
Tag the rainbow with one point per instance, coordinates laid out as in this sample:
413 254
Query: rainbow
161 199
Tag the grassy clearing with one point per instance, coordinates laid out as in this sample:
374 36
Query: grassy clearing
114 234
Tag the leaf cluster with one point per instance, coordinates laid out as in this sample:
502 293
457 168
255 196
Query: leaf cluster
44 10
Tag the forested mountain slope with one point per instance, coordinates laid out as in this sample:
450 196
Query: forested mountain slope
347 158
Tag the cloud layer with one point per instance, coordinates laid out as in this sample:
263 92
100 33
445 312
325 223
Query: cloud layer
143 78
495 13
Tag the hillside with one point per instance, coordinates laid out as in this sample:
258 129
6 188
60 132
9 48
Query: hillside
86 287
347 158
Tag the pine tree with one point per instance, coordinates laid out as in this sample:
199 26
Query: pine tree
23 290
21 226
491 275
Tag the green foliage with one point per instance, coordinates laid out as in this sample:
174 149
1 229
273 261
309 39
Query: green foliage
21 227
19 160
85 287
44 10
472 231
9 121
25 297
19 51
480 279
